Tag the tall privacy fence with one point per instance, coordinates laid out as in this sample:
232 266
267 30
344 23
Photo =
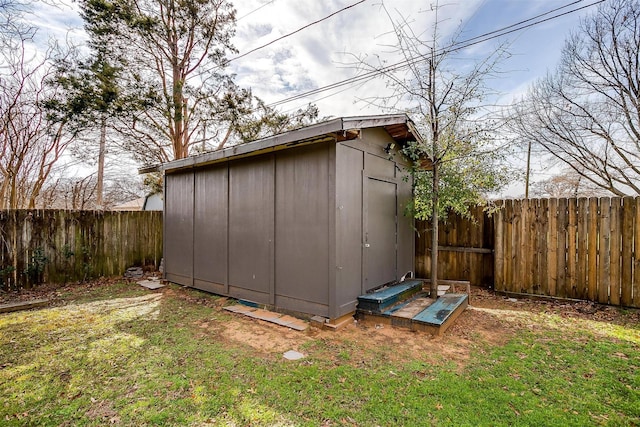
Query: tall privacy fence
465 248
61 246
585 248
568 248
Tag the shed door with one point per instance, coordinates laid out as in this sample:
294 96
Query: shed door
380 233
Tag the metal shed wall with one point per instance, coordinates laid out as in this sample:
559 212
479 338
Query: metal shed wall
178 228
210 245
303 192
290 228
374 239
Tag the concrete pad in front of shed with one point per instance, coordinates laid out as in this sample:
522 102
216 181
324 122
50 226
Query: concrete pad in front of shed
240 308
291 322
151 284
269 316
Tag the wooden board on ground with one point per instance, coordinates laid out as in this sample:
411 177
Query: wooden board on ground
23 305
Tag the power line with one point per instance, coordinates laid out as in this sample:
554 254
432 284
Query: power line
255 10
281 37
296 31
452 48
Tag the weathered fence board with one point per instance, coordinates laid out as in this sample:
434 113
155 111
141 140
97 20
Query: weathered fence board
570 248
60 246
465 249
626 286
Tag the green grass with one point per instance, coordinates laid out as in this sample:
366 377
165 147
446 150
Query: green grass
118 355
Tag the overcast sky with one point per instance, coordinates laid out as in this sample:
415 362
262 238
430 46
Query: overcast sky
321 54
324 53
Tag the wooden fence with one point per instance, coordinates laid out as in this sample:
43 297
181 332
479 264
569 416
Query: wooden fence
60 246
570 248
465 249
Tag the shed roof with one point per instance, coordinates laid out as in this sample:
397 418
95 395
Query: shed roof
399 126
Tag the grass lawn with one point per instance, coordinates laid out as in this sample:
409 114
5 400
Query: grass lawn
117 354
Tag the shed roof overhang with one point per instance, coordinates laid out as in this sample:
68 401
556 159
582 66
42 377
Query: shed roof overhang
398 126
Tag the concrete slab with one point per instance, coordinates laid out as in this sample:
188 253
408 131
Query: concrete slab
239 308
269 316
293 355
151 284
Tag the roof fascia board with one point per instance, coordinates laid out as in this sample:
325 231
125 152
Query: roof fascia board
281 140
260 145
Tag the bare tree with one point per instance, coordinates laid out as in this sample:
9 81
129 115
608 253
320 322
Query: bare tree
447 104
587 113
78 193
567 183
172 54
30 141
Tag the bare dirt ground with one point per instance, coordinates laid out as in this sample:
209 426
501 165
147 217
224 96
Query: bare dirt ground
490 319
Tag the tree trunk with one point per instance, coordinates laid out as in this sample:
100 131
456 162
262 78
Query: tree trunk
434 234
101 153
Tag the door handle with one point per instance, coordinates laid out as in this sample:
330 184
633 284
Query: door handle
366 245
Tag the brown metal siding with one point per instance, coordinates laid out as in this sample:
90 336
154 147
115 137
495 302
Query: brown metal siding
251 194
349 167
380 230
406 227
302 224
178 217
210 219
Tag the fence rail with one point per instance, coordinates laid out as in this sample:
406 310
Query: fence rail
60 246
465 248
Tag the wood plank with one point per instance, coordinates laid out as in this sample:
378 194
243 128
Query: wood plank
530 224
23 305
525 250
615 251
572 232
626 284
604 256
552 248
499 264
462 249
562 248
582 239
544 246
508 252
592 249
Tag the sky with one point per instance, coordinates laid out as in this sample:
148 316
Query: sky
327 52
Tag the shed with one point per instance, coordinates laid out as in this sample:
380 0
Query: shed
305 221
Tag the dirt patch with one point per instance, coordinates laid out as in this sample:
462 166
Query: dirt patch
490 320
263 336
103 411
